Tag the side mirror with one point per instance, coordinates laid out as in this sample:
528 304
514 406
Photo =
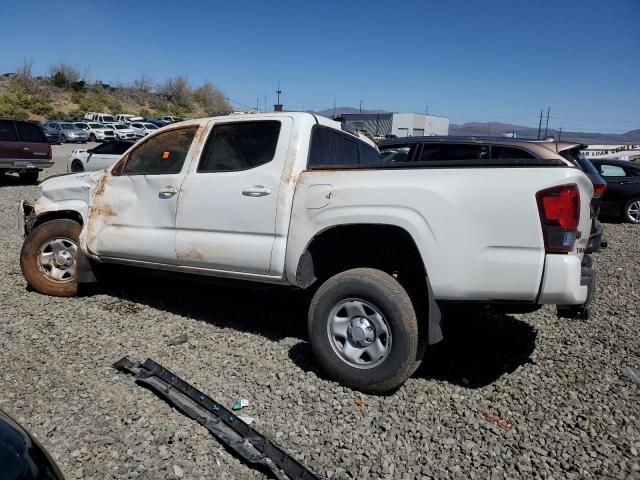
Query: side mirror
90 151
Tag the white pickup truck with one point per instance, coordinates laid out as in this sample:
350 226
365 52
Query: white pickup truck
293 199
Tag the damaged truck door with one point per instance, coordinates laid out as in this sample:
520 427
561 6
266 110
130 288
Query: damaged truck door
229 199
133 212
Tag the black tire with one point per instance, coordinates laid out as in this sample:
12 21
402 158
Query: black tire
92 138
63 139
68 232
630 217
382 291
76 166
29 177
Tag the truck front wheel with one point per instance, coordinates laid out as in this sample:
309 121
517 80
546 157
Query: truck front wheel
363 330
49 256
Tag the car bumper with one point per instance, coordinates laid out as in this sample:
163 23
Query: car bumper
18 165
568 280
24 214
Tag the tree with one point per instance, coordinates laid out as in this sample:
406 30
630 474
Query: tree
143 84
64 76
211 98
178 91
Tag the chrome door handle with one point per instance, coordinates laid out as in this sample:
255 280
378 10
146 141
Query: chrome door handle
26 149
256 191
168 192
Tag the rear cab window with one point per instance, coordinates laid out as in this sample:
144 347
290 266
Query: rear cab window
332 148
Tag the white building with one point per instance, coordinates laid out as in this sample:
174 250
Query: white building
398 124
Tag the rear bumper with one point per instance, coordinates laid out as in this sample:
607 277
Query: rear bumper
19 165
567 280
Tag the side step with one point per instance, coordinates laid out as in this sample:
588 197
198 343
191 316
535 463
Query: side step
250 445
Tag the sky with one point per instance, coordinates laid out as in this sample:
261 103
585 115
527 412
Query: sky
491 60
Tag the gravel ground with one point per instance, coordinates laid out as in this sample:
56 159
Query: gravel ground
558 382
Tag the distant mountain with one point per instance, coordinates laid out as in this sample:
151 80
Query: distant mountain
497 129
491 128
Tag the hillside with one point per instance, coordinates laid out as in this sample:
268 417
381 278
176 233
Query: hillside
25 96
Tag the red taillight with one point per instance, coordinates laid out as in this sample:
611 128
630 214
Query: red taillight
559 209
50 151
599 189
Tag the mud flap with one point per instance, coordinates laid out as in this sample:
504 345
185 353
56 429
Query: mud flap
228 429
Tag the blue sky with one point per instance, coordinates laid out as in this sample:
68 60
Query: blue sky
490 60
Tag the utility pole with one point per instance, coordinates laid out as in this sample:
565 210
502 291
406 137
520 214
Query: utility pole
547 124
278 106
361 106
258 103
560 134
540 125
278 92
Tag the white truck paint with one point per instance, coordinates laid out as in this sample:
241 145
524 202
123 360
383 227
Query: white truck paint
476 230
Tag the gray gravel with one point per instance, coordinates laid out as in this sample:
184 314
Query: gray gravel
557 382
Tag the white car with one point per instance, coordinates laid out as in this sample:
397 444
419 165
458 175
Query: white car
96 131
128 118
292 199
97 158
99 117
143 129
122 131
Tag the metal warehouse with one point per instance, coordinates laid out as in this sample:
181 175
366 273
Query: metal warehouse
398 124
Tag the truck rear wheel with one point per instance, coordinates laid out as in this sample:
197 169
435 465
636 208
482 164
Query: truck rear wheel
363 330
49 256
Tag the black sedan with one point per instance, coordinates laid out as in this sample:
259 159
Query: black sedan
21 456
622 198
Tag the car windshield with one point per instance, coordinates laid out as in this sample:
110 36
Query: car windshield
68 126
81 125
95 125
120 127
150 126
107 118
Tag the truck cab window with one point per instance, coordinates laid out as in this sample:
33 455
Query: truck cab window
163 154
240 146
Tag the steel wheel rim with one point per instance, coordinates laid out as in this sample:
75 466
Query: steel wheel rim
359 333
57 259
633 211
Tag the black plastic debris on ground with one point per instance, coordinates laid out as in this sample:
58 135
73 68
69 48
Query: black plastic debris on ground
247 443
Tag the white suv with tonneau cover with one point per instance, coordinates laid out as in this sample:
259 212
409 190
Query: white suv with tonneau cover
291 199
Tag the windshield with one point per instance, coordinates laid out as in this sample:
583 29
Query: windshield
107 118
150 126
95 125
81 125
120 127
68 126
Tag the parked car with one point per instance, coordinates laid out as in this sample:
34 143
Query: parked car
69 132
22 457
24 149
100 117
122 131
498 150
128 118
97 132
53 136
291 199
171 119
97 158
158 122
143 129
622 198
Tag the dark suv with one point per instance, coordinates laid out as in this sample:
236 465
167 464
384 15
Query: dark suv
23 149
